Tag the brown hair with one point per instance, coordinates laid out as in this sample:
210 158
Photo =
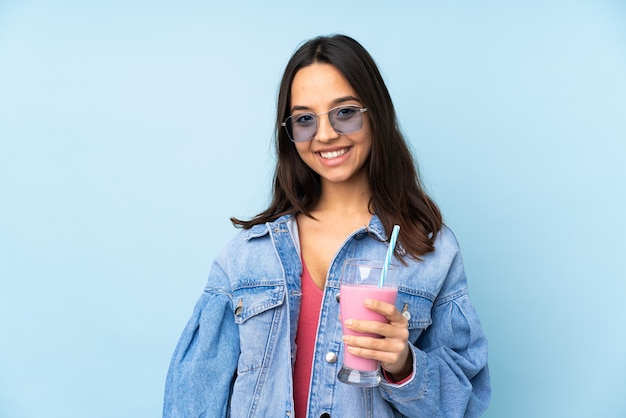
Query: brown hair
397 193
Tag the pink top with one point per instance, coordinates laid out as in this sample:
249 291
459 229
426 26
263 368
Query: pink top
305 340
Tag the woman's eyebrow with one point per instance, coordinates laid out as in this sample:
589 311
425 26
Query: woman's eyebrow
294 108
345 99
335 102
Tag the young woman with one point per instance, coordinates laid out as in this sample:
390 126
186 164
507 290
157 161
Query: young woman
265 339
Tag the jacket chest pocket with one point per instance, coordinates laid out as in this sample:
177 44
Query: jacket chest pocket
417 310
257 311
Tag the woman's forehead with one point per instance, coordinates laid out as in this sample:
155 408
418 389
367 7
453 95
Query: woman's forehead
320 85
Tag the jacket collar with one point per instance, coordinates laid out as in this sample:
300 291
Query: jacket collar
374 228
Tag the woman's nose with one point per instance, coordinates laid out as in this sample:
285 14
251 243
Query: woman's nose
325 131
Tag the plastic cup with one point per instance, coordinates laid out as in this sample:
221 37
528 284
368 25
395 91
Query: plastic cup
360 280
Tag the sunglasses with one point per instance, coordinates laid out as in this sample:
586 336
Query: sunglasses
344 119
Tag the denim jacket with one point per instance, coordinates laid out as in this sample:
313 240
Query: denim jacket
235 356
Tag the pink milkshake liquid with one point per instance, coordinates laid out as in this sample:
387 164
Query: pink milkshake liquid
360 280
351 306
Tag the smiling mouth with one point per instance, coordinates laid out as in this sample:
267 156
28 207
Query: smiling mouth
333 154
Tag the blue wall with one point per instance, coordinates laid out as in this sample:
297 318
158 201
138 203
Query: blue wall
129 134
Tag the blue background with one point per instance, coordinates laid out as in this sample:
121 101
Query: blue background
131 131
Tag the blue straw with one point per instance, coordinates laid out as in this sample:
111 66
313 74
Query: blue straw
392 246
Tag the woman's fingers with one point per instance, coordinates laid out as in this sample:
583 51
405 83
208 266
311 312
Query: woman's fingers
391 347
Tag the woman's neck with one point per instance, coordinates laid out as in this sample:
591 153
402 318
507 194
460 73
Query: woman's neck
349 197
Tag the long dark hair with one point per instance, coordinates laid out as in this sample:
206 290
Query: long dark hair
397 193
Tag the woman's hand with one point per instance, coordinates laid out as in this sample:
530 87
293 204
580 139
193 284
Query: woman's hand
392 350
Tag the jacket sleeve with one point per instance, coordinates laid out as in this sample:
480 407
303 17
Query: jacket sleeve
451 375
204 363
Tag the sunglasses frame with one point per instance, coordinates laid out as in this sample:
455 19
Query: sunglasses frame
317 115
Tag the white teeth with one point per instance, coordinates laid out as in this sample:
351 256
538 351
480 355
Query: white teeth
333 154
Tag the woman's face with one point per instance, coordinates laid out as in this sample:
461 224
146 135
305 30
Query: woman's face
336 157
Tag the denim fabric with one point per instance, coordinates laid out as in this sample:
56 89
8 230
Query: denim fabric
235 356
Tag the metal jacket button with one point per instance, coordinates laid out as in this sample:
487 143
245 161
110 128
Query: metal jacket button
239 308
405 312
331 357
